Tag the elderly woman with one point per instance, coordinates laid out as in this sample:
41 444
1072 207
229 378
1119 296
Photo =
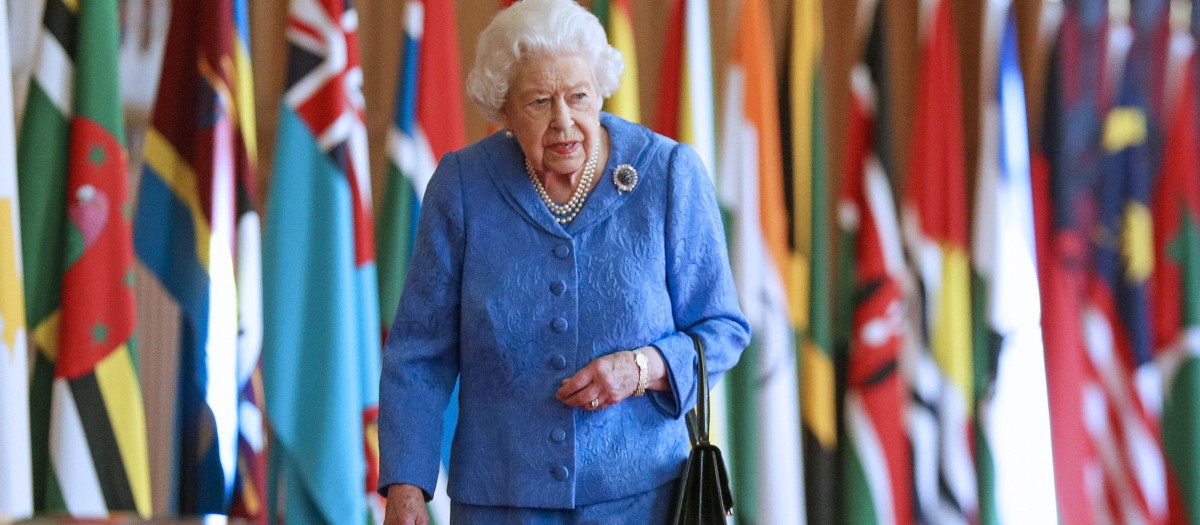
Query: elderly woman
559 267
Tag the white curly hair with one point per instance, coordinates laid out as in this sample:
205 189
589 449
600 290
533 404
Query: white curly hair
532 28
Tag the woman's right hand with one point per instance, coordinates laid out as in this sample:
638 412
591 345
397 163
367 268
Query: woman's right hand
405 506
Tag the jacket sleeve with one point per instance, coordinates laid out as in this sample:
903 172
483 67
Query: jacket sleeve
700 283
420 356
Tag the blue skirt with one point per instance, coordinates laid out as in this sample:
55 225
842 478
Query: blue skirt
650 507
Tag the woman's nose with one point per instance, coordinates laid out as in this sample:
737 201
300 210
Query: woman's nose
561 117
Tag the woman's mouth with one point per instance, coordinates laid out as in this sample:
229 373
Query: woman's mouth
564 148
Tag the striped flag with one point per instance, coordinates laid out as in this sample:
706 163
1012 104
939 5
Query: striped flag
1013 459
428 124
250 488
1123 405
875 458
1175 283
192 197
1063 173
16 481
936 235
321 335
807 181
88 423
685 91
768 468
617 18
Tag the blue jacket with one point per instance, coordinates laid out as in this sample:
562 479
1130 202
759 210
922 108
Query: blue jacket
503 297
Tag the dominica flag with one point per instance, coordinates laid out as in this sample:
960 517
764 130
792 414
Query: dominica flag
874 456
936 235
193 192
767 475
617 18
321 334
1013 458
16 481
807 189
428 124
87 421
1175 283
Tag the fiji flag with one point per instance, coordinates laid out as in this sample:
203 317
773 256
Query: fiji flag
321 319
191 194
429 123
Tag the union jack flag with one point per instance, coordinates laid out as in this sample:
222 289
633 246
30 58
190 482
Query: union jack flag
324 87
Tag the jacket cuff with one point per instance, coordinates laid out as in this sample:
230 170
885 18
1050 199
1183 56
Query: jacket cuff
679 355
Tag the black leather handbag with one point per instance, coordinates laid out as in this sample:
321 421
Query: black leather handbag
704 496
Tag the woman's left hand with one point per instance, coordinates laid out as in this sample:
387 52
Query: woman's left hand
609 379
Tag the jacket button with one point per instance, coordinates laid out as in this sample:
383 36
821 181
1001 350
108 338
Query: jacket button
559 325
558 362
558 435
562 251
560 473
558 287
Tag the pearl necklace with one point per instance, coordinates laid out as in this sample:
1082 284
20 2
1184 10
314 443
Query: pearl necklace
565 213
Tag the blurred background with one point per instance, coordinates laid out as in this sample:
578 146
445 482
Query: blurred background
983 214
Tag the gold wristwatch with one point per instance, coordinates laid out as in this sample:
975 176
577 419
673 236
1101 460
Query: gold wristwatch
643 365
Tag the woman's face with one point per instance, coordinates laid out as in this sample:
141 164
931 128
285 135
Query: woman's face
553 109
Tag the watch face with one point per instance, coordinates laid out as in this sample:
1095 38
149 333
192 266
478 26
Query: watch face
641 359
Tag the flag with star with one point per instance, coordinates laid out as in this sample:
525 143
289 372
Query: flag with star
1131 481
321 334
428 124
88 423
193 194
16 482
617 18
1175 283
935 228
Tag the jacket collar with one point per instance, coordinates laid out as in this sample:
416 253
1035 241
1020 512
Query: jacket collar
626 144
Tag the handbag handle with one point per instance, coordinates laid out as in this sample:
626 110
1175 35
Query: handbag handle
701 415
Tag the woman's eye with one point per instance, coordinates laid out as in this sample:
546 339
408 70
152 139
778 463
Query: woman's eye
580 96
541 101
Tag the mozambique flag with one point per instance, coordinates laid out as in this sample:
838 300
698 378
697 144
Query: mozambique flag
193 195
16 496
806 184
1013 458
936 217
1175 283
320 296
88 424
617 18
875 457
1064 171
768 480
428 124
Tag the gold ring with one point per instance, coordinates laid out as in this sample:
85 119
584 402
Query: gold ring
595 403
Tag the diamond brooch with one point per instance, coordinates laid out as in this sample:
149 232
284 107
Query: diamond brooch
625 178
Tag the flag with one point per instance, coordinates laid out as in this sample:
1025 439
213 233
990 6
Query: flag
806 184
936 235
190 204
875 458
428 124
87 420
320 295
617 18
1175 283
250 485
1064 171
685 92
1013 458
16 478
768 468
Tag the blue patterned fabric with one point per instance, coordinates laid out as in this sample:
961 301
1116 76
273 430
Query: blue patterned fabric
502 297
653 507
